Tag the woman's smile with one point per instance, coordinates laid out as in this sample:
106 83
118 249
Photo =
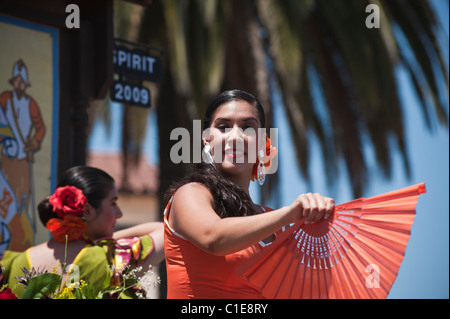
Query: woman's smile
234 153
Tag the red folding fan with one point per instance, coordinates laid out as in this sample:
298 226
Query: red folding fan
356 253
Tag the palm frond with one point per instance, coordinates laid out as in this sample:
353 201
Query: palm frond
416 22
216 45
344 115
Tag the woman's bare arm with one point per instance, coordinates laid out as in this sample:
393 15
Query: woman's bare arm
193 217
139 230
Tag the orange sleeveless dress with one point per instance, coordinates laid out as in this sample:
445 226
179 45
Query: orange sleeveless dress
194 273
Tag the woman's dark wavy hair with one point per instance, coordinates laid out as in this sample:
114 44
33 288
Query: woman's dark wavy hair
93 182
229 199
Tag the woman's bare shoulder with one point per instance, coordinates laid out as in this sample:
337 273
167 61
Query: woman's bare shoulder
40 249
193 189
50 254
192 197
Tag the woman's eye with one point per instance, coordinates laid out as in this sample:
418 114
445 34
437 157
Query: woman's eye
222 128
249 130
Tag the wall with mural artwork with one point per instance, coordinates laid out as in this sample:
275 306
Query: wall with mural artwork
28 128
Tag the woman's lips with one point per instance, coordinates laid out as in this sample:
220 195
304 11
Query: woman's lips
234 153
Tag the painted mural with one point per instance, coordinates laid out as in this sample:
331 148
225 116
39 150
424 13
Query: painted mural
28 128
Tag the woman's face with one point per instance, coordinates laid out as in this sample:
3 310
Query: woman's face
233 137
102 220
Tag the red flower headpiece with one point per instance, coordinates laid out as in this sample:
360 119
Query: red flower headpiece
68 200
73 227
68 204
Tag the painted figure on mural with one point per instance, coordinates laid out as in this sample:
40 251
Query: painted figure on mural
22 131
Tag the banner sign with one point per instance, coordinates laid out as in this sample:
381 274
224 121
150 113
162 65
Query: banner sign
133 66
129 93
137 64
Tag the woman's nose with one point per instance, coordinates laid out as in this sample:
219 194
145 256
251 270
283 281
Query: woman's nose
118 213
236 134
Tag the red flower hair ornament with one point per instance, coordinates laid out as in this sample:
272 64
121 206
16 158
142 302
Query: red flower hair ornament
68 200
68 204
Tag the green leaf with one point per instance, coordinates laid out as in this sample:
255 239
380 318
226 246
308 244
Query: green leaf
42 285
90 292
107 281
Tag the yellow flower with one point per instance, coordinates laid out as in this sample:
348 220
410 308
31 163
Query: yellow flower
55 269
70 291
66 293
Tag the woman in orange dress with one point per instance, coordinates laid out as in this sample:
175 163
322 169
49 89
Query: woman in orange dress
212 225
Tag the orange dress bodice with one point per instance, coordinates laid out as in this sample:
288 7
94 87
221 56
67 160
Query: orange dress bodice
195 273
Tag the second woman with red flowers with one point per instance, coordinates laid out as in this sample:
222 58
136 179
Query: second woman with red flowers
82 212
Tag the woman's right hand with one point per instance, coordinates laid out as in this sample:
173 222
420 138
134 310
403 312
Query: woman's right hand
313 207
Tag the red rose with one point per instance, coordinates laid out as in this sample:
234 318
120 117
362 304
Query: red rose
7 294
68 200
